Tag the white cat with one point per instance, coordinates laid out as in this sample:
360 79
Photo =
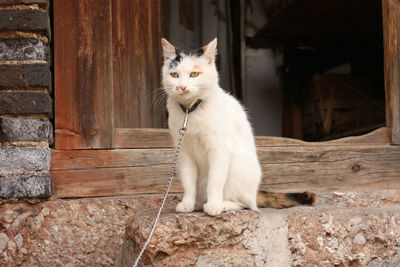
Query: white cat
218 168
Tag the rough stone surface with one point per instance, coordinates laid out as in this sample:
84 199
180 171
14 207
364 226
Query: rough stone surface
25 75
3 241
25 129
180 239
77 232
24 186
24 19
392 262
23 1
90 232
23 49
327 236
367 198
341 230
16 159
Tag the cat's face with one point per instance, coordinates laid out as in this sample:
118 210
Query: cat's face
189 75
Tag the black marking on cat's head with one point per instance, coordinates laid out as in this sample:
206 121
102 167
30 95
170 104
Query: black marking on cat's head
180 54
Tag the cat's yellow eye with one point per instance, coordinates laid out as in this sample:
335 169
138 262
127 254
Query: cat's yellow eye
194 74
174 74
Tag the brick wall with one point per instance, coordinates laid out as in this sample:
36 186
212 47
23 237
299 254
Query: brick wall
25 99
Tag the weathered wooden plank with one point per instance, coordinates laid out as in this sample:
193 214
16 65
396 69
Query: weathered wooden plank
391 36
113 181
330 167
115 158
160 138
25 75
23 19
136 64
25 103
287 168
378 137
83 74
141 138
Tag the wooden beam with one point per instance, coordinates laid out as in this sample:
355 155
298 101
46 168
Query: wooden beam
160 138
141 138
391 36
112 181
330 167
116 158
84 173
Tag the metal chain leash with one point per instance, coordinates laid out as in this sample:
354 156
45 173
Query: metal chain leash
178 148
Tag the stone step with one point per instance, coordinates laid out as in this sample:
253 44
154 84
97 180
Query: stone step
91 231
342 229
365 198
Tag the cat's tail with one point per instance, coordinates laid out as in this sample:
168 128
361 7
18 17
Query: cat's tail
284 200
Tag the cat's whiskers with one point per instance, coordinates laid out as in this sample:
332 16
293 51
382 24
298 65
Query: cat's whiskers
159 97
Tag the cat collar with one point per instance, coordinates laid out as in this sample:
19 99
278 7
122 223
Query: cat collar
195 105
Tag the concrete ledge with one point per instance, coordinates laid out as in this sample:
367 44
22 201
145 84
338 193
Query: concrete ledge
324 235
26 186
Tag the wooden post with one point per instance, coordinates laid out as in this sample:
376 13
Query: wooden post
391 36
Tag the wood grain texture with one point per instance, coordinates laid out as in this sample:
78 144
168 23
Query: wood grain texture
113 158
330 167
160 138
83 74
112 182
83 173
141 138
391 36
379 136
136 64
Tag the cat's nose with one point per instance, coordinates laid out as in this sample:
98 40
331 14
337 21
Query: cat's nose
183 88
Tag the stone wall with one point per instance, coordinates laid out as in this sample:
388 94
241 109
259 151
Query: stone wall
25 99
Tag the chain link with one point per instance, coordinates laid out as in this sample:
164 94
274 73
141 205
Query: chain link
178 148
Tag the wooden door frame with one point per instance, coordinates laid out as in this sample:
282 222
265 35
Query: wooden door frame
365 162
391 41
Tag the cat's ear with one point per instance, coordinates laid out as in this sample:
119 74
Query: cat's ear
210 50
168 49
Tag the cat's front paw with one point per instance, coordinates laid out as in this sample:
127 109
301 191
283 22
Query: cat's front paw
213 209
185 207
